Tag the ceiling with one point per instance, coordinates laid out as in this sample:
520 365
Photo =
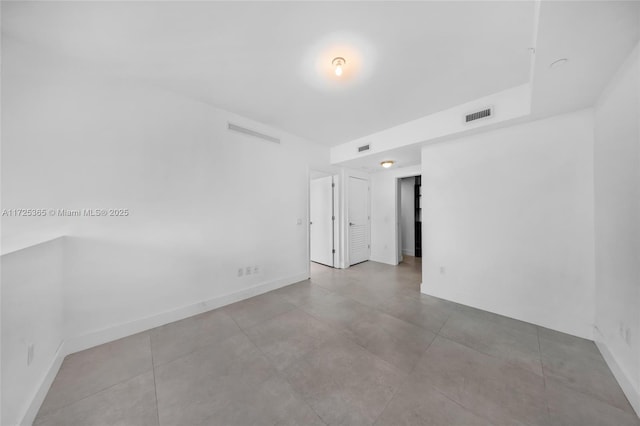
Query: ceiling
595 36
271 61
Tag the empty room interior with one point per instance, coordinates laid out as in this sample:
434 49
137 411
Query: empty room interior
320 213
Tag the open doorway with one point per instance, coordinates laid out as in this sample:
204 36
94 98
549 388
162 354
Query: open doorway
409 231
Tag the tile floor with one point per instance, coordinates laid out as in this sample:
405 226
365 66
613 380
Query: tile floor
349 347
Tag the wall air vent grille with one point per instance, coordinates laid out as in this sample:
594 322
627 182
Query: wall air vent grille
253 133
485 113
363 148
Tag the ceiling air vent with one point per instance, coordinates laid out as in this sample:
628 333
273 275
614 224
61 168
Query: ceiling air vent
363 148
253 133
485 113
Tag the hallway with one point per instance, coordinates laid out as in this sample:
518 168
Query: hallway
349 347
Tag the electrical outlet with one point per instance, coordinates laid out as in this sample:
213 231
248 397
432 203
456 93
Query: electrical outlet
30 352
247 270
240 272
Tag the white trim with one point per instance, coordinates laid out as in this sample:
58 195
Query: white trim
409 252
463 298
109 334
624 381
37 399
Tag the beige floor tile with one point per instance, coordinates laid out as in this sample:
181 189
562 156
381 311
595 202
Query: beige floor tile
580 366
132 402
568 408
302 293
194 388
495 338
85 373
347 347
343 383
180 338
425 311
419 404
488 386
288 337
255 310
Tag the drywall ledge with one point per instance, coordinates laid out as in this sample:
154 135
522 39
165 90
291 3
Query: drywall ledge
26 240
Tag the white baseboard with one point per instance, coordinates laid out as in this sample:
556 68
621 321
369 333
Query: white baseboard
47 381
408 252
78 343
629 390
573 327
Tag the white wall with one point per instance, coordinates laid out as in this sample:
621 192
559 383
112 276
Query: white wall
407 216
384 214
32 313
202 201
509 216
617 225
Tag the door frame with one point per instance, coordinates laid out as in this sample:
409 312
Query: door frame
398 211
333 219
337 204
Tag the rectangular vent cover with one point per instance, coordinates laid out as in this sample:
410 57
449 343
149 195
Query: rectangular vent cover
253 133
478 115
363 148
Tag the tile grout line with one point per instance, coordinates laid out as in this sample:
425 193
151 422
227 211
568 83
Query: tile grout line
93 394
342 334
405 381
459 403
96 392
155 385
341 329
511 363
544 378
277 372
443 324
225 309
199 348
597 398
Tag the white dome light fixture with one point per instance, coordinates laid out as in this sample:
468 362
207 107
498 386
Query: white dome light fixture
338 62
387 163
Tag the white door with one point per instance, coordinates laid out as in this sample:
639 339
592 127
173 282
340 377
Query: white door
358 220
321 220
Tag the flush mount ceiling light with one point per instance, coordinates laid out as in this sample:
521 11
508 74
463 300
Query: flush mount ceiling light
558 63
387 163
338 62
